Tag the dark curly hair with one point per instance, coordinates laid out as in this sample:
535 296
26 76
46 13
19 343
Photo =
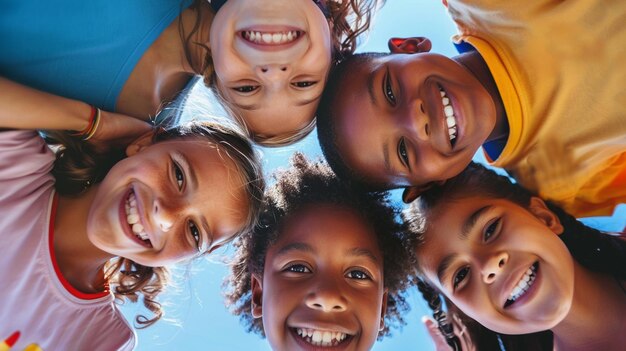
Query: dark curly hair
327 118
307 183
79 165
592 248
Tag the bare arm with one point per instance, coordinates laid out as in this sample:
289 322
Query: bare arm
22 107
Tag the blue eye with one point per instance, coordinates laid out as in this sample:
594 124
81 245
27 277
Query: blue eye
388 90
298 268
179 176
460 276
491 229
358 274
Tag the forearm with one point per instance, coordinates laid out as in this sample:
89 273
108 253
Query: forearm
22 107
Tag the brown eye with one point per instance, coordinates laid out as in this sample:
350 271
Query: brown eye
460 276
195 233
246 88
304 84
388 90
298 268
491 230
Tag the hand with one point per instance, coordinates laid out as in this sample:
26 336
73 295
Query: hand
118 130
440 340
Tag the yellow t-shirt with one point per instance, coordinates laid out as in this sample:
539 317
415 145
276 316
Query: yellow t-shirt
560 67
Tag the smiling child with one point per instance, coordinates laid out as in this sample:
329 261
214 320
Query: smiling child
518 265
85 228
326 267
268 59
541 108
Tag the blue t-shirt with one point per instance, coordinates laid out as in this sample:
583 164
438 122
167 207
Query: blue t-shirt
84 50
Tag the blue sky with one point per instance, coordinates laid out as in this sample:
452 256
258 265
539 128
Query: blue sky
196 316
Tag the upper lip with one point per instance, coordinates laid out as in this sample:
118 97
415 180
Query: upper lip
333 327
511 282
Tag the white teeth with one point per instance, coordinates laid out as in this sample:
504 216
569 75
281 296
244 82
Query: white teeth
324 338
448 111
524 284
132 217
271 37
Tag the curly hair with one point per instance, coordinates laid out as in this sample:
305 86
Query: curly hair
326 118
304 184
592 248
78 165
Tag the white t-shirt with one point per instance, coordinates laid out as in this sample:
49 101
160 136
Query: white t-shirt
34 299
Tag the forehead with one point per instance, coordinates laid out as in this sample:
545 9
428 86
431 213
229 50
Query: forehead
329 229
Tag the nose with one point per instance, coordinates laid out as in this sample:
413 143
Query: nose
163 215
416 120
493 266
326 297
273 72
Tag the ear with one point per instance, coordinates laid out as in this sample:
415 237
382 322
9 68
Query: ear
411 193
140 143
539 208
412 45
214 248
257 296
383 311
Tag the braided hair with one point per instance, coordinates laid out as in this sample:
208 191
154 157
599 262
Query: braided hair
593 249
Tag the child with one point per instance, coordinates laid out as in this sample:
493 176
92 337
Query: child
271 57
107 226
542 108
325 267
520 266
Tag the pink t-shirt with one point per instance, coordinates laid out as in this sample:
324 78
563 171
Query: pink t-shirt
34 299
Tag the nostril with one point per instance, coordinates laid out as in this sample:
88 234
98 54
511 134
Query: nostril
422 108
501 263
491 276
283 69
427 129
264 70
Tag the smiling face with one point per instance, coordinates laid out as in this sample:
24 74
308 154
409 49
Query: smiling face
409 120
167 202
322 283
502 265
271 60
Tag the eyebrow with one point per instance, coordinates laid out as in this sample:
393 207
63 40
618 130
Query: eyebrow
471 221
467 227
370 87
386 156
362 252
297 246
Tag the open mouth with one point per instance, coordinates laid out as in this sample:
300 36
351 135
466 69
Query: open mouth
271 38
448 111
132 217
527 280
322 338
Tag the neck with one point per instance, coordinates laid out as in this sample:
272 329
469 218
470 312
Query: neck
477 66
80 262
596 319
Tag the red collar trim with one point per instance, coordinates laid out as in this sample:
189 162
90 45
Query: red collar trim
64 282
